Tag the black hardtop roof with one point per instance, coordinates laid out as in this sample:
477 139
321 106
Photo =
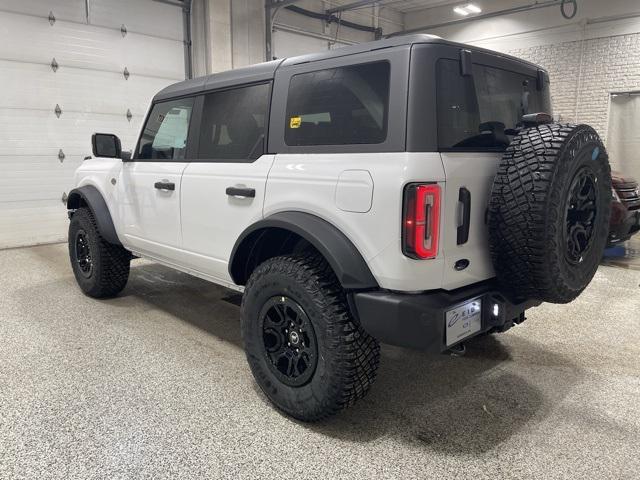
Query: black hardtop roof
266 71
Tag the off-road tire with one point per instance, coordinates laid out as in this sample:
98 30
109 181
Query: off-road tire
528 212
109 263
348 357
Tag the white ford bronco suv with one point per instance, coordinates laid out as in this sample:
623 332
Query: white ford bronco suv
409 191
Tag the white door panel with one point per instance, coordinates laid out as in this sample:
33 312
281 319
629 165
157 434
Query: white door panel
151 216
475 172
212 220
90 88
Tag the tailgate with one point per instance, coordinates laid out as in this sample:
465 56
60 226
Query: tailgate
474 172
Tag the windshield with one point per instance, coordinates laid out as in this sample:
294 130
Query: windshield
482 111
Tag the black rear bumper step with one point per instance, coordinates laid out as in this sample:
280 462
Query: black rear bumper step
418 320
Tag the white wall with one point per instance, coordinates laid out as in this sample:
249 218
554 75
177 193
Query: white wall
387 18
588 57
231 33
226 34
543 26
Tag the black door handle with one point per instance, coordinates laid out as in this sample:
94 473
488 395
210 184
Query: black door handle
241 192
464 197
164 185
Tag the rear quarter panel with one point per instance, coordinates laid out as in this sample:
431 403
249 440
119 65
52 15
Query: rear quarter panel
310 183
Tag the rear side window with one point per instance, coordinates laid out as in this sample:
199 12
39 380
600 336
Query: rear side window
480 111
233 124
164 136
339 106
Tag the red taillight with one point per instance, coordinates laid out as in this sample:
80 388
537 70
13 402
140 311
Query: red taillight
421 221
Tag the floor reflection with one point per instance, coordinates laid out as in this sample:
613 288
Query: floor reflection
625 255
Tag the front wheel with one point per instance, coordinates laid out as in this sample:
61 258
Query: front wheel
306 351
101 268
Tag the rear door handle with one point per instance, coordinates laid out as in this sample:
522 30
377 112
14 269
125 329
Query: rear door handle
241 192
464 198
165 185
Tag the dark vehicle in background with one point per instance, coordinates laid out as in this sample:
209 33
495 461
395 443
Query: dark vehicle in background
625 208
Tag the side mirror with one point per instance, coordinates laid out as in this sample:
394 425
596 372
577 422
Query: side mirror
106 145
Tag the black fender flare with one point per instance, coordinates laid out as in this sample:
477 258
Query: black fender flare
350 268
91 196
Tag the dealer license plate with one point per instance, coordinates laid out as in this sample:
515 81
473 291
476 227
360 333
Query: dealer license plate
463 321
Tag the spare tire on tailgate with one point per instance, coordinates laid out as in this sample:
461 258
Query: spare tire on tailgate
549 212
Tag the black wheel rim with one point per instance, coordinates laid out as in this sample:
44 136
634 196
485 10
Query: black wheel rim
83 254
581 214
289 341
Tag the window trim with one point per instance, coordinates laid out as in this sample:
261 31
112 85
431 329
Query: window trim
267 117
422 124
386 109
195 122
482 62
398 58
192 120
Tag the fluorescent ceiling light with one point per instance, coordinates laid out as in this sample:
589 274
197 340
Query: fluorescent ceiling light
465 10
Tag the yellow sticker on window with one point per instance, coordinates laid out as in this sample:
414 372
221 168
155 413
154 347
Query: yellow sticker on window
295 122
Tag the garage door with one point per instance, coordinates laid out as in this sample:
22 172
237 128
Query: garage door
70 68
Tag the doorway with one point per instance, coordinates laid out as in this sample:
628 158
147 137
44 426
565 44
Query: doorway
623 140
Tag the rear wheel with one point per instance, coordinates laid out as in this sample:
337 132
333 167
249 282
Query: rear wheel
101 268
549 212
306 351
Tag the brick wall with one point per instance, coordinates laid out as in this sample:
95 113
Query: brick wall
580 88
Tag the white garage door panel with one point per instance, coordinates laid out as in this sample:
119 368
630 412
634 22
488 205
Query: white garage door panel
31 86
70 10
89 87
31 39
26 182
139 19
40 133
31 223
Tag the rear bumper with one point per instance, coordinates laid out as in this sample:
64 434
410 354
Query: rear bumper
418 320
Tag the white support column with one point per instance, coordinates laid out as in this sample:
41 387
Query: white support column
218 35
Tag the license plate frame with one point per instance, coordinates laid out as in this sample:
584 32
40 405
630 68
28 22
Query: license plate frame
463 321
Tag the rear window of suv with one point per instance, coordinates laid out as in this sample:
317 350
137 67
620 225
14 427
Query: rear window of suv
480 111
339 106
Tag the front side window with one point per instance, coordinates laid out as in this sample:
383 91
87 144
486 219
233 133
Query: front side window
339 106
233 124
481 111
165 134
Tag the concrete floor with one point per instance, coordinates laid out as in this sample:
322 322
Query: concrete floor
154 384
